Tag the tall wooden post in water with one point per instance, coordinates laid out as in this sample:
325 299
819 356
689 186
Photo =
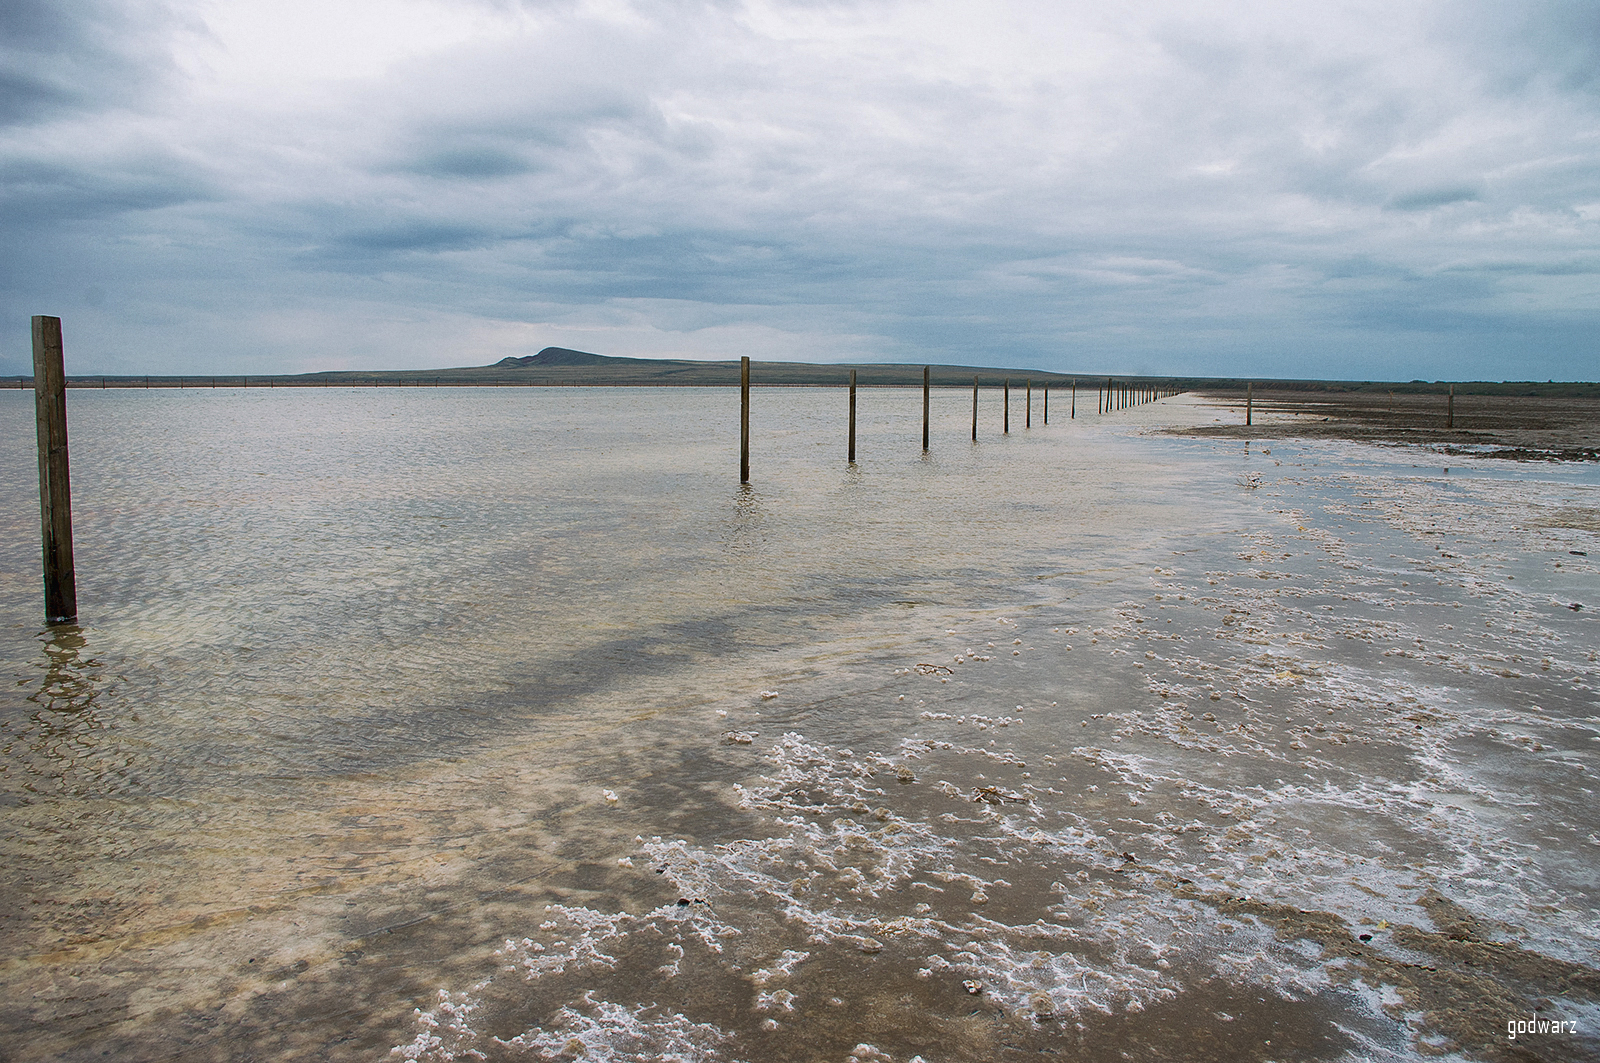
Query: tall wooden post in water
1249 401
852 458
924 407
1027 409
55 489
1450 408
974 409
1005 418
1047 404
744 420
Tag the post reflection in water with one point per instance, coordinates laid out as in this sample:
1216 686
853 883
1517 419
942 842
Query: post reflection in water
58 728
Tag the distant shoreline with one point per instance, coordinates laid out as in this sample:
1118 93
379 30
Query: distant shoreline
560 367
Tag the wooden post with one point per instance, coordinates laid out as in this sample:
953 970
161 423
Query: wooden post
744 420
55 488
1450 408
974 409
1047 404
1072 414
924 407
1027 409
852 457
1249 402
1005 420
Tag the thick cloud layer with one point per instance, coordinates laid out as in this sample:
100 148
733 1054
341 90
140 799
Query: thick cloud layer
1350 189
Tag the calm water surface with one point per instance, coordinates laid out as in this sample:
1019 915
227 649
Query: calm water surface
504 723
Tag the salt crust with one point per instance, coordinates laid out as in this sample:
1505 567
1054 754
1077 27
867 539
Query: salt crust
1103 946
1103 952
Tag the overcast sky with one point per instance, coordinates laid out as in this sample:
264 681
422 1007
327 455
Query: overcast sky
1367 190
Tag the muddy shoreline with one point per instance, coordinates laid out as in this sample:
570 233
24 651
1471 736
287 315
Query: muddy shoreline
1515 427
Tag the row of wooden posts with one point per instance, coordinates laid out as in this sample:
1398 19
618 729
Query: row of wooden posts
55 491
1112 396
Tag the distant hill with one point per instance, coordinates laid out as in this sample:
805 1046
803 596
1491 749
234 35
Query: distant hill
563 356
564 367
561 365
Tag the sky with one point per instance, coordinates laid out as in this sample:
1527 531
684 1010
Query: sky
1391 190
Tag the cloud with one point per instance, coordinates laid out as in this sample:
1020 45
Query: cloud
1428 198
1240 188
470 163
57 59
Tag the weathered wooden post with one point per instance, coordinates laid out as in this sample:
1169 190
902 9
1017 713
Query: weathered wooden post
744 420
55 488
1072 413
1047 404
924 407
1450 408
1005 418
974 409
1249 401
852 458
1027 409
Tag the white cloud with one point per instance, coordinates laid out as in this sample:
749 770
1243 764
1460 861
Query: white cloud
1061 184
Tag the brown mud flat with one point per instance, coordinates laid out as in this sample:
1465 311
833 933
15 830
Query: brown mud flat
1502 426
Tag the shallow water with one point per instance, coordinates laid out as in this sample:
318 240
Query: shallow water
504 723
